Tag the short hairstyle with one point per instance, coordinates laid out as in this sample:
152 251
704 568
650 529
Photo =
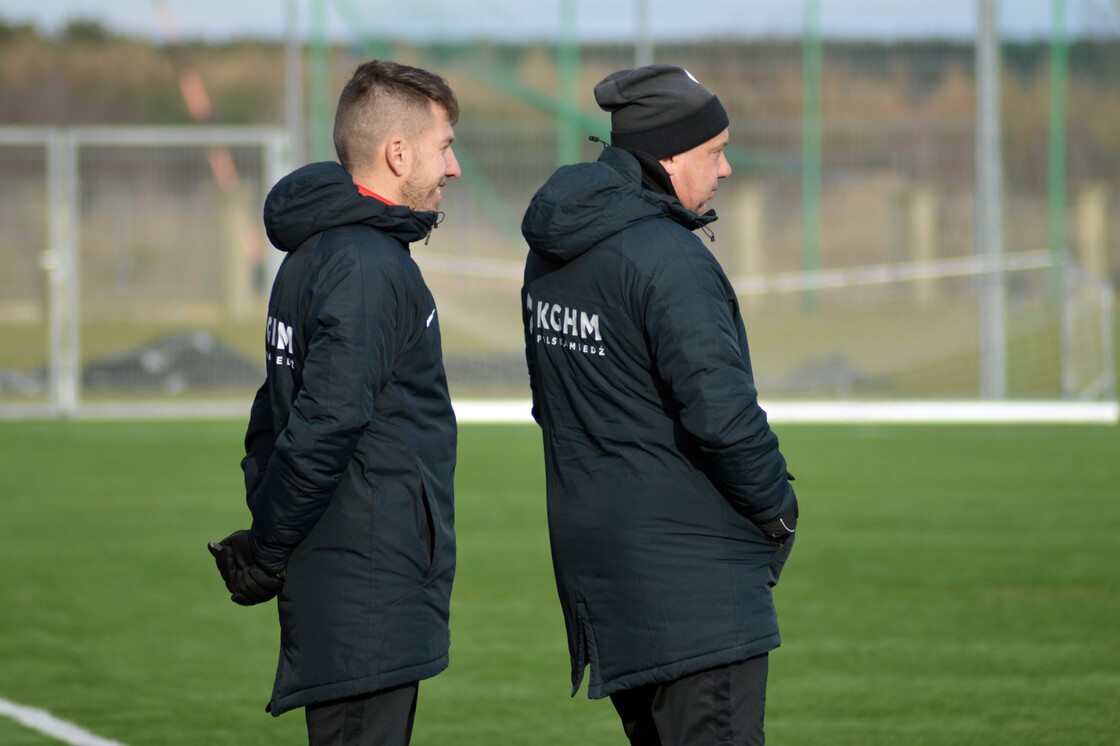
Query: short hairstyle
384 98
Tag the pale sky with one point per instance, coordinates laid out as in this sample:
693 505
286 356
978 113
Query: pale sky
595 19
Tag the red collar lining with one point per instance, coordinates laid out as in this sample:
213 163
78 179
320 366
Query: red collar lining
370 193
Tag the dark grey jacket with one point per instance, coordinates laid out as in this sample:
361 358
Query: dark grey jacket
659 461
351 446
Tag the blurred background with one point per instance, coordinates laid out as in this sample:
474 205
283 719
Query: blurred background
925 202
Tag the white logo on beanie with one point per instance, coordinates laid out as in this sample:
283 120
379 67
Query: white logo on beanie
691 77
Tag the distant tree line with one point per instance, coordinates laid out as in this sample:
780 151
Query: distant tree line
86 74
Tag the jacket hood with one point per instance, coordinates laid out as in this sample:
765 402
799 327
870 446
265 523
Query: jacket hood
323 195
583 204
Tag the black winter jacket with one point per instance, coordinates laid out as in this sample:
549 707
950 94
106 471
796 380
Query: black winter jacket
659 460
351 446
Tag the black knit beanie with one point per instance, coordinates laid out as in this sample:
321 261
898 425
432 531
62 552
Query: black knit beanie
659 109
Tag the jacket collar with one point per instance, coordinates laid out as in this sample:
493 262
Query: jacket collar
320 196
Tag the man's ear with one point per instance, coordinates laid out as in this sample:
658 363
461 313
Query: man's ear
397 155
669 165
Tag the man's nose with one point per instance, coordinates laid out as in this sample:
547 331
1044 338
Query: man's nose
724 166
453 170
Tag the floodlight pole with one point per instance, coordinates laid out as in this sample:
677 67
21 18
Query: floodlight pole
989 205
567 66
293 84
812 66
643 41
321 124
1056 161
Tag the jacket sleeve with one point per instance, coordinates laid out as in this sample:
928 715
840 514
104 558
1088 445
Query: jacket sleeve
534 411
351 331
699 347
259 440
526 326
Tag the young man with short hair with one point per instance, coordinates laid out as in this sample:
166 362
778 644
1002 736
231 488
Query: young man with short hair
350 449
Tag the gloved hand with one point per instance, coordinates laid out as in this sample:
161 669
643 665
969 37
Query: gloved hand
247 582
782 528
225 560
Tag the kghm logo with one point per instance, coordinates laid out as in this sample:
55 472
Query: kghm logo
279 343
566 327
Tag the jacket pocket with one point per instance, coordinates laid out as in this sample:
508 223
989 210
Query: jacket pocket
778 560
425 520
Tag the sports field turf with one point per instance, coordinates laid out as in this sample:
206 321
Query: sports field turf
950 585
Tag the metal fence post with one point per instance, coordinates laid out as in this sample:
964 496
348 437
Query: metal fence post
989 205
62 265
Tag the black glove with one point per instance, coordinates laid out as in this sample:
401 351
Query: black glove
223 557
247 582
781 529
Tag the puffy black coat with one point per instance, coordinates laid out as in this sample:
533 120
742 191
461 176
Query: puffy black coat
659 460
351 446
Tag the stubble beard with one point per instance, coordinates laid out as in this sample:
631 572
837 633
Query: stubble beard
419 196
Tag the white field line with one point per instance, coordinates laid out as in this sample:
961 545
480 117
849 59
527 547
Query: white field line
47 724
518 411
841 412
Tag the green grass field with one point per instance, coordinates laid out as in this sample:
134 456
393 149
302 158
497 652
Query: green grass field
951 585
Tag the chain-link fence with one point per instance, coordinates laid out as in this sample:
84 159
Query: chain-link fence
854 147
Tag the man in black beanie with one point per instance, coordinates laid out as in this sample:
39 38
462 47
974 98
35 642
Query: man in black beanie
670 510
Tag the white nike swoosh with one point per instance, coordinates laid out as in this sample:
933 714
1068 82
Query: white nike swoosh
431 316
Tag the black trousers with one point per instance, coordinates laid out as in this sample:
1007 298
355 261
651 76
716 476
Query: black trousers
719 707
381 718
